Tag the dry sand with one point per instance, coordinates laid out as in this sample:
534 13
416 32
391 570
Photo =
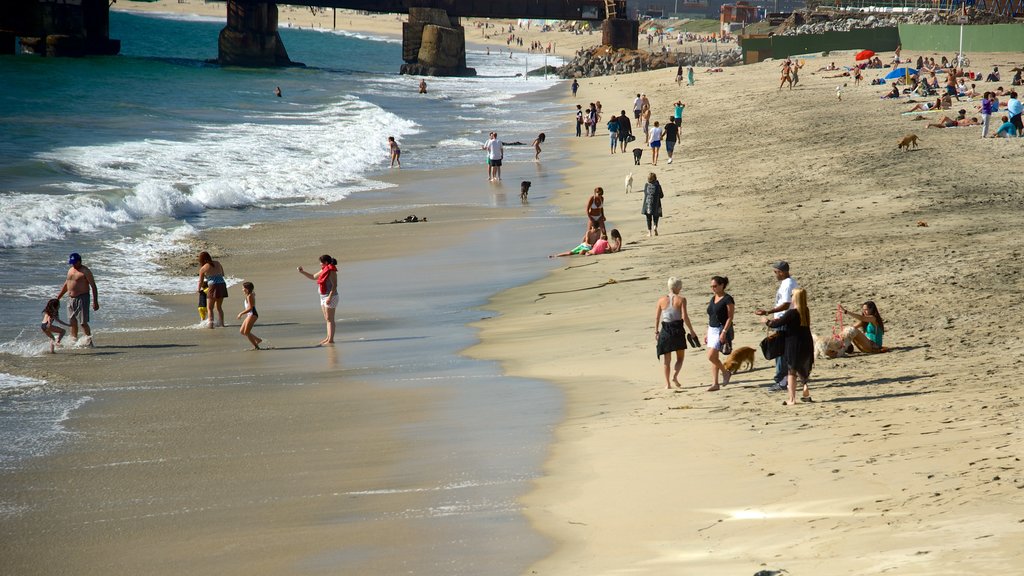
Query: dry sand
907 462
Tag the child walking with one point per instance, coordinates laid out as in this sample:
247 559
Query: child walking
250 315
51 315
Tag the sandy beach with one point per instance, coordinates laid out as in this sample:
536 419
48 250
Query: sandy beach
905 463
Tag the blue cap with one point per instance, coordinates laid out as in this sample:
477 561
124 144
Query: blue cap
75 258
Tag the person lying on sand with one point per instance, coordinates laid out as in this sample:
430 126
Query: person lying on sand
960 120
927 105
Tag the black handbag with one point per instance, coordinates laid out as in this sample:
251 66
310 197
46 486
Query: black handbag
773 346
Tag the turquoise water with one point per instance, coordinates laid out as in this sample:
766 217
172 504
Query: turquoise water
122 158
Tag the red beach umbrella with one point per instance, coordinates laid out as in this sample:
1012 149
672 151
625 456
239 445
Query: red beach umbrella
864 55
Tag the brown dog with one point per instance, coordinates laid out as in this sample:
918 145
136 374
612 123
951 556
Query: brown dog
738 358
907 141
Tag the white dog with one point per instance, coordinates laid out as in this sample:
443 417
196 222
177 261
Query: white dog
832 347
839 93
629 183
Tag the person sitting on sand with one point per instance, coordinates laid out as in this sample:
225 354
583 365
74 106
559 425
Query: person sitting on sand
893 93
1006 130
586 245
831 66
869 328
993 76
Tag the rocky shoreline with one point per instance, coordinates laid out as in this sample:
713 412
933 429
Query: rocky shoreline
602 61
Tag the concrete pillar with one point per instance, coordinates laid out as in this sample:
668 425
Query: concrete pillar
434 44
250 37
620 33
8 46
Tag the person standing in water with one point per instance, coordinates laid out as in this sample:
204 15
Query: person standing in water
396 152
77 286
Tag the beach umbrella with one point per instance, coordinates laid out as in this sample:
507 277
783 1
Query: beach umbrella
900 73
864 55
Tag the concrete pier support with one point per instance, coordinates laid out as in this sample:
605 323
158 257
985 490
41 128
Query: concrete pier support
620 33
250 37
8 45
52 28
434 44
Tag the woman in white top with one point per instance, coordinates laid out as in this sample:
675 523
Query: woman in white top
656 133
669 319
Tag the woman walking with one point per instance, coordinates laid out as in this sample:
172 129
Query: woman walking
799 355
720 314
327 285
211 272
652 203
670 323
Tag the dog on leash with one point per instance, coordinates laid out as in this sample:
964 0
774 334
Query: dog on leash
637 154
629 183
832 346
907 141
738 358
524 189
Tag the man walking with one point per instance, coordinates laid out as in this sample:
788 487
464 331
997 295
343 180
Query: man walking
625 130
671 136
77 286
783 298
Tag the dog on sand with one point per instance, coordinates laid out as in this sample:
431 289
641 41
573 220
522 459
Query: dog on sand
907 141
629 183
637 154
524 189
738 358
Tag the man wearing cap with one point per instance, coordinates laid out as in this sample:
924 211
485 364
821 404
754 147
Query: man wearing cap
783 297
77 286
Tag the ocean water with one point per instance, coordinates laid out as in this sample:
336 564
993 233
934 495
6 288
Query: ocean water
124 159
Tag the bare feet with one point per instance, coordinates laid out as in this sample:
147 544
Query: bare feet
726 375
714 388
52 351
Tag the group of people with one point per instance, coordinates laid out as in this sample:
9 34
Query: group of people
620 129
80 287
924 82
789 318
83 295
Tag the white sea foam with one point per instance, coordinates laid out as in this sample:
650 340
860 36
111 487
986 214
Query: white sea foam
10 381
297 158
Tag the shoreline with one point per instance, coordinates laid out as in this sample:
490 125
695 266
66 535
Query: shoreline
193 434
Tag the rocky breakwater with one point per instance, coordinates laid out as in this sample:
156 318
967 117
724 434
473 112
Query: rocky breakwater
603 61
821 22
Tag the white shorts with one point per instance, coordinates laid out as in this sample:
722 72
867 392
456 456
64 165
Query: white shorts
714 335
327 301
